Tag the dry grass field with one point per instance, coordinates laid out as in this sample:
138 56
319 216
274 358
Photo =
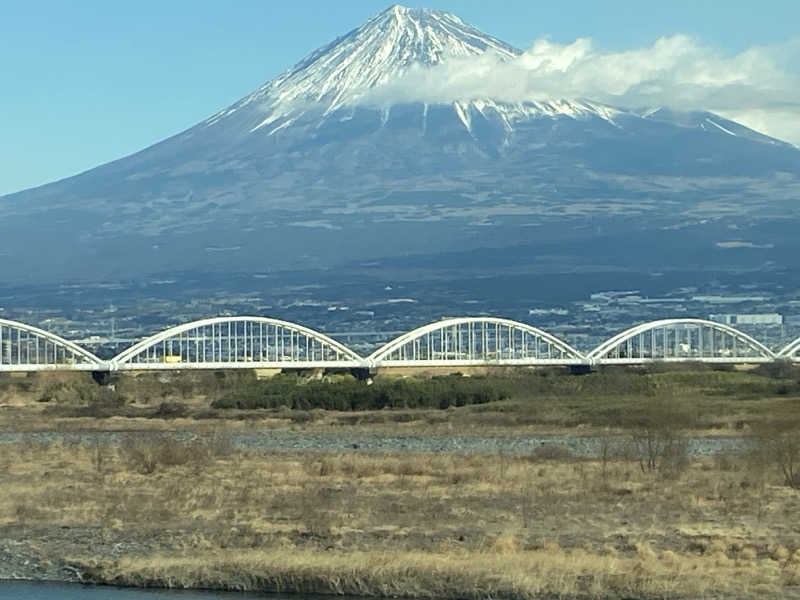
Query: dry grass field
153 511
641 519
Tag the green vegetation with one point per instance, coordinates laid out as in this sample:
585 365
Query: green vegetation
698 398
693 398
349 394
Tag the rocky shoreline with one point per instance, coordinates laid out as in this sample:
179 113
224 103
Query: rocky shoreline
19 561
43 553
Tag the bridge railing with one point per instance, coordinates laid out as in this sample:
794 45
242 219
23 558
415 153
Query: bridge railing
468 341
682 340
260 342
244 342
27 348
791 351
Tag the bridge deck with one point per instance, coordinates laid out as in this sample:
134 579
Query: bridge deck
266 343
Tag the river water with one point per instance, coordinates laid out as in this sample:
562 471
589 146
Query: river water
24 590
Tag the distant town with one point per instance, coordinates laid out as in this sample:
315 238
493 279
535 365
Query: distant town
108 317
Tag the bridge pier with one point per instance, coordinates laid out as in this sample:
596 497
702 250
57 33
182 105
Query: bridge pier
105 378
266 373
362 373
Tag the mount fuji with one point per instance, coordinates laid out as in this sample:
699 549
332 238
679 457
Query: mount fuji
321 168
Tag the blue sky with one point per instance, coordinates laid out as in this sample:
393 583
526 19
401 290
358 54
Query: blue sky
86 82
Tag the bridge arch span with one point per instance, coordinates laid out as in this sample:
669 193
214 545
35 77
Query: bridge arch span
681 340
475 341
791 351
237 342
27 348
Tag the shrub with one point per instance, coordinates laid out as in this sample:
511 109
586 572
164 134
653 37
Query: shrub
170 410
551 452
144 453
657 439
73 392
779 445
778 369
352 395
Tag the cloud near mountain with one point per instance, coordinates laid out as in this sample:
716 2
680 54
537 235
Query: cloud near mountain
759 87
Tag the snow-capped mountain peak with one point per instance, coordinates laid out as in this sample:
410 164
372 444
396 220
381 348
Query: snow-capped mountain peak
367 68
383 49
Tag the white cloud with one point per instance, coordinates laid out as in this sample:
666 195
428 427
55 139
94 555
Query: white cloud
759 87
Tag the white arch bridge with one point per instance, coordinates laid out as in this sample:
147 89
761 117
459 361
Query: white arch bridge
260 342
27 348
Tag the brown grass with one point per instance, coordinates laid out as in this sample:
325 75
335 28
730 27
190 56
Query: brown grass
523 574
203 514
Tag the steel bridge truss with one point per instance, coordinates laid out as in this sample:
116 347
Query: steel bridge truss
681 340
475 341
27 348
791 351
259 342
247 342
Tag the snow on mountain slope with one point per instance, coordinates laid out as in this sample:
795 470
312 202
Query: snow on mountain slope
382 51
339 79
708 122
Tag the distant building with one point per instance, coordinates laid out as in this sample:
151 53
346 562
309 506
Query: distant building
728 299
755 319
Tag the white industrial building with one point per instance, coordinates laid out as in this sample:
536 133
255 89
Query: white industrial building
751 319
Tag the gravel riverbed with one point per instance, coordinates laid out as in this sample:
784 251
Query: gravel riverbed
291 441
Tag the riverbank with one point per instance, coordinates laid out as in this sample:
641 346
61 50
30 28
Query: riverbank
154 512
